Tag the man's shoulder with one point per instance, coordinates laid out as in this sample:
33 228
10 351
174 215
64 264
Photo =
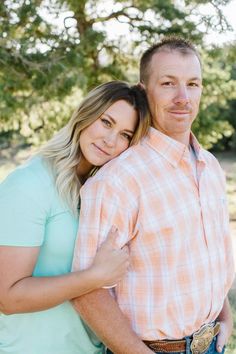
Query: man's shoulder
210 158
123 164
121 170
213 165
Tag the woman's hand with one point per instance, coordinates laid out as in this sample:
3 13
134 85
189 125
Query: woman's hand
223 336
226 326
110 263
21 292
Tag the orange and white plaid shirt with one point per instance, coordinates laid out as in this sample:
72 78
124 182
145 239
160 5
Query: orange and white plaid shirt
176 229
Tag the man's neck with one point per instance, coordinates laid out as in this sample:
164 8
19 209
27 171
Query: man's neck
183 138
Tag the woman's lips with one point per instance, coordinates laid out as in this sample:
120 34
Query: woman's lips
101 150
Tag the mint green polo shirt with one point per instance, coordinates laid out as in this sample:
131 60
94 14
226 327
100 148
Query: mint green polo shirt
32 214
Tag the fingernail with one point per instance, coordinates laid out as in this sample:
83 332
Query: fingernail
114 228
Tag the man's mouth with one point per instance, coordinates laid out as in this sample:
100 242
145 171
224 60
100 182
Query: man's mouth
179 112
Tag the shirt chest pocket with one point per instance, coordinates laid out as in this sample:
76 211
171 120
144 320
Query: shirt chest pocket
162 232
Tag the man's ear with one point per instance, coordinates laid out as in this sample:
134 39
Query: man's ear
141 84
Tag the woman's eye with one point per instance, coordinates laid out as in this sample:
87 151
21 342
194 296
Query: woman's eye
127 136
106 122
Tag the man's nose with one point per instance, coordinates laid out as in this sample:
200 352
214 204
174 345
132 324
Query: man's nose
182 95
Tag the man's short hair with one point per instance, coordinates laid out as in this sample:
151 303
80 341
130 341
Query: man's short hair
170 43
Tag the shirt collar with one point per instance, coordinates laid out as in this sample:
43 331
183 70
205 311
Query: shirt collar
197 148
172 150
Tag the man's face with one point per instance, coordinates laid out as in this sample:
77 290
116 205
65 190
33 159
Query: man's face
174 90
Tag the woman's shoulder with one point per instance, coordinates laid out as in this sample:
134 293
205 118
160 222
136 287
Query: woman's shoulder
25 204
31 178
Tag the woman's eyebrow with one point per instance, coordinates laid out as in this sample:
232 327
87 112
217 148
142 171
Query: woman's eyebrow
114 122
110 117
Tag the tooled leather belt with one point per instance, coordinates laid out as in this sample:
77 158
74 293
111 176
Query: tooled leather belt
200 341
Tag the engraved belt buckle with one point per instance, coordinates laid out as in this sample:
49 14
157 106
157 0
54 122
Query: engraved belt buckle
202 339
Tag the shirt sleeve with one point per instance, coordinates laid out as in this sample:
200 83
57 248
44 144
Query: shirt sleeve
22 218
104 202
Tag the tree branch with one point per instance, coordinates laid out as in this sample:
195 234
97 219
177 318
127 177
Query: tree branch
116 15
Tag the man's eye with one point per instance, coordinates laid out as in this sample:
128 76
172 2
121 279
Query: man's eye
167 83
106 122
193 84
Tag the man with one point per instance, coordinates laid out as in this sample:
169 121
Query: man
166 196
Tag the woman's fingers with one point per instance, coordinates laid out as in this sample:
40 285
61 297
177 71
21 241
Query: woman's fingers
112 237
111 262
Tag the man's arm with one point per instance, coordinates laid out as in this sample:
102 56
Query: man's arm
226 325
105 318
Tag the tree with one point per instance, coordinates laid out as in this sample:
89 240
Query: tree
215 120
52 51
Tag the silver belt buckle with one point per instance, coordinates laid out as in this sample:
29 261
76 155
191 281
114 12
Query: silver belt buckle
202 339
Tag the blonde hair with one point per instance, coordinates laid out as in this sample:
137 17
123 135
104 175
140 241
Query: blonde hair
63 153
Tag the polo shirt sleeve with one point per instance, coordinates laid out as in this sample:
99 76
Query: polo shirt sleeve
104 202
22 218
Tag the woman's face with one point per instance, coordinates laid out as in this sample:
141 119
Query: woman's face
109 135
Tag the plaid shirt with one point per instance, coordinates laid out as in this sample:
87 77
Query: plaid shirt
176 228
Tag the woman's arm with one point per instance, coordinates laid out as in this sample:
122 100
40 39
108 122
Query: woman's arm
20 292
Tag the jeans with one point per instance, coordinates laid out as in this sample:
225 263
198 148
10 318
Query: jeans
211 349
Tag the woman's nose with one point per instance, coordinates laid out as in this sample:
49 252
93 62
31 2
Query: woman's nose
110 139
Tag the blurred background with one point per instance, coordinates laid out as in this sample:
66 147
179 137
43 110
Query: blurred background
53 51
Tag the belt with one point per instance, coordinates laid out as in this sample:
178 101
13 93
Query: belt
200 341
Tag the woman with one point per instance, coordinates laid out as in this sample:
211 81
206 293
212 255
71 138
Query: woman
39 219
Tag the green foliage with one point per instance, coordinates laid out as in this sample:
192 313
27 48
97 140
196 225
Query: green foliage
50 49
219 89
